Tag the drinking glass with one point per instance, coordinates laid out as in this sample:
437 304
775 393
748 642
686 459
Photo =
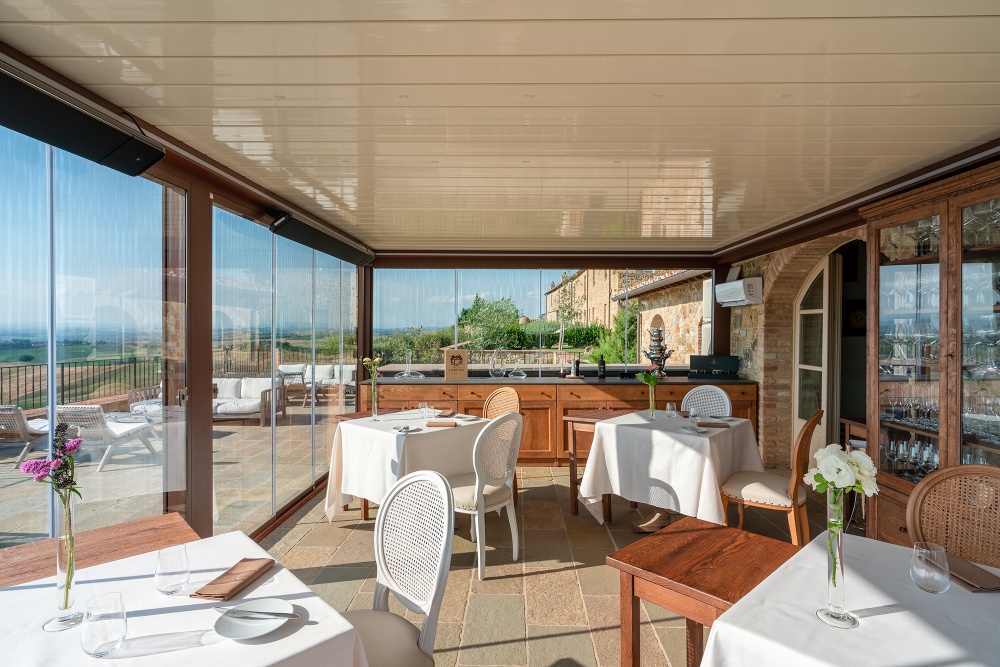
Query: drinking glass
172 571
422 410
929 567
694 416
104 625
671 410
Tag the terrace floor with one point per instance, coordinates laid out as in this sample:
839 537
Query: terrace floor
557 605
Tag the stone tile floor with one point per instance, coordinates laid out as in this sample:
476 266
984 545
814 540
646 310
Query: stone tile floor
557 605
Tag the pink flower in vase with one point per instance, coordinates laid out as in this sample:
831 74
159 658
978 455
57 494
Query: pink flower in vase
73 445
39 469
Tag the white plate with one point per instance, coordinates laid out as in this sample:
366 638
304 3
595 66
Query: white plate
406 429
467 418
247 628
694 429
721 419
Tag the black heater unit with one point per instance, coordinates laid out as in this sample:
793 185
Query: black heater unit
39 111
287 225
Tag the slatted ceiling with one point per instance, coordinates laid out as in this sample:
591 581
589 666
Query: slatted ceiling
574 124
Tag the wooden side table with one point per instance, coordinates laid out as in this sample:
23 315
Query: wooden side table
585 422
696 569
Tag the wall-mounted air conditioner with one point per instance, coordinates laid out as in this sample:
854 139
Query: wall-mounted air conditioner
740 292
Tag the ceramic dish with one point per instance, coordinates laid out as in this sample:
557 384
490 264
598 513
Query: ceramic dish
230 627
722 419
694 429
467 418
406 429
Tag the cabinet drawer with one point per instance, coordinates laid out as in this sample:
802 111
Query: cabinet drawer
417 393
890 513
479 392
583 393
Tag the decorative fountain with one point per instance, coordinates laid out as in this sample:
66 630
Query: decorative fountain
657 352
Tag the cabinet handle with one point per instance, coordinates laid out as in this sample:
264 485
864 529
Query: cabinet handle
447 394
574 395
475 394
544 394
903 529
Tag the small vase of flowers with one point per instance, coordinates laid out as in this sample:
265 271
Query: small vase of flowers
372 366
838 473
60 471
649 377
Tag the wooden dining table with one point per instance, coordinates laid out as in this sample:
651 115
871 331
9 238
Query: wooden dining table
694 568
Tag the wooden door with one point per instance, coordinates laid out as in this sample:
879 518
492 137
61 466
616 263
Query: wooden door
538 438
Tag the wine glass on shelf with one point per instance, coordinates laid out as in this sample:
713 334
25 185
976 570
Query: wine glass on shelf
902 456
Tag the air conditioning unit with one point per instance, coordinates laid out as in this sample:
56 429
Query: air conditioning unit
740 292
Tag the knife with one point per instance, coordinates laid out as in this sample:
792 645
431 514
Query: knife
250 613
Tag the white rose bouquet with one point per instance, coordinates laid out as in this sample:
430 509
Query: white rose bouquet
835 474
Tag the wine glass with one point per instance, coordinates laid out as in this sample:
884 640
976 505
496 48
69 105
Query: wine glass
172 570
694 416
104 625
671 410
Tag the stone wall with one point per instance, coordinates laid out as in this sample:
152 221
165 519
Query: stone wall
680 307
762 334
585 296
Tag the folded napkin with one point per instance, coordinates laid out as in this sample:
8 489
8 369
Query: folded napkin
444 424
234 580
446 413
684 413
714 424
971 576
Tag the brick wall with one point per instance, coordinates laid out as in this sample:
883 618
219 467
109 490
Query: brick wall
762 336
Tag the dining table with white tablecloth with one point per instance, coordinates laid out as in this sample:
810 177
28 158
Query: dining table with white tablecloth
662 463
370 454
169 630
900 625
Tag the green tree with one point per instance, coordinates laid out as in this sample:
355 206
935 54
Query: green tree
612 344
492 324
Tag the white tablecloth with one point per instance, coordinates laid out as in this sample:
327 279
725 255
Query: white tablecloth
901 625
177 630
655 462
368 456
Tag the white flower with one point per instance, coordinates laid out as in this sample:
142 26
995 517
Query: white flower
837 470
829 450
868 484
862 462
810 478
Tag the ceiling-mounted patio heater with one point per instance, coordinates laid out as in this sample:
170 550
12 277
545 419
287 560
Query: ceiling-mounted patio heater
287 225
35 109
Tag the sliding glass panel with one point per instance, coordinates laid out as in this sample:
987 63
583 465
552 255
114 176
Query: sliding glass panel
109 282
293 317
24 261
414 309
241 355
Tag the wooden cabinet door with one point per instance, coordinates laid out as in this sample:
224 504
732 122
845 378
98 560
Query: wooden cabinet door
471 408
538 437
583 440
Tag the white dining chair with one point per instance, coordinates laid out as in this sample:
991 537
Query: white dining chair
491 486
413 534
709 400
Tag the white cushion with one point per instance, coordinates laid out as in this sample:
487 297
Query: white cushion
297 369
236 406
761 487
152 406
389 640
319 373
463 489
345 374
254 387
122 429
228 387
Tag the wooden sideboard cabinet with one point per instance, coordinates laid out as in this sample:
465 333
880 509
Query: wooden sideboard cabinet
545 401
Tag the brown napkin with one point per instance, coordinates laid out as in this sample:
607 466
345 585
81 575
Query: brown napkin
684 413
714 424
446 413
234 580
971 576
444 424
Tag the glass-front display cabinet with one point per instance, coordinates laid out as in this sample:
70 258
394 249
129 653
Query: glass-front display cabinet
933 337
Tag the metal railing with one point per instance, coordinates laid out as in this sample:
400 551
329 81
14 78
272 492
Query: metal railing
26 385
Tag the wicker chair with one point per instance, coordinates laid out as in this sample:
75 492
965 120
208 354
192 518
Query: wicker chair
15 429
959 508
709 400
490 487
96 430
775 492
413 534
500 402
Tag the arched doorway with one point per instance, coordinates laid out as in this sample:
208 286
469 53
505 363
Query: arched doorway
811 348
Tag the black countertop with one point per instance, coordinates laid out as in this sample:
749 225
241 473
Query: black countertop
558 380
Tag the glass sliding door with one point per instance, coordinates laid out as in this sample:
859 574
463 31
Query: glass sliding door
245 398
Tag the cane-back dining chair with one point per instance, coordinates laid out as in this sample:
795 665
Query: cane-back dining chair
777 492
413 534
500 402
958 508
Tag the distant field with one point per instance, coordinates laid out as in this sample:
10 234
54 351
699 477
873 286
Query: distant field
65 353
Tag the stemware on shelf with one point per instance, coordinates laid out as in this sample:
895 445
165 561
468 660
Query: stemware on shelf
409 374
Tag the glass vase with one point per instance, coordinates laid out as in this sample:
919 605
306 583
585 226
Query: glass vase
835 614
65 565
374 401
652 402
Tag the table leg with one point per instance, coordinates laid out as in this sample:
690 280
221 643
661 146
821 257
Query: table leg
630 621
606 503
574 483
364 509
695 643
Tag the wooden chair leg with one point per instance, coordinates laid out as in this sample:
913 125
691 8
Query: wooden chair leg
633 505
364 509
804 522
793 527
740 508
725 510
